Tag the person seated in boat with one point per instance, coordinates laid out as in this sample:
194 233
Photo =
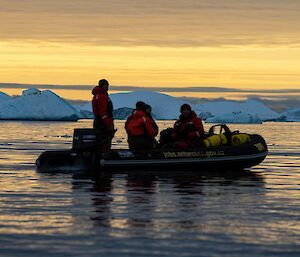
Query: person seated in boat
148 110
103 113
141 128
166 138
188 129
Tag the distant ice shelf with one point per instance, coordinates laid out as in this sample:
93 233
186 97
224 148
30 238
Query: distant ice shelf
34 104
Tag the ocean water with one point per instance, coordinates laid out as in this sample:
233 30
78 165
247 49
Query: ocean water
251 213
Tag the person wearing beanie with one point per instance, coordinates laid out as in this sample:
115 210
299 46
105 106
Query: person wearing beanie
141 128
103 113
140 105
188 129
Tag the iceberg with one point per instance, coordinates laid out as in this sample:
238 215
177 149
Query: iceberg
235 117
86 112
250 111
4 97
166 107
34 104
122 113
291 115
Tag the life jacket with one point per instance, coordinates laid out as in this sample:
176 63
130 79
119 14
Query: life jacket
139 124
191 127
101 103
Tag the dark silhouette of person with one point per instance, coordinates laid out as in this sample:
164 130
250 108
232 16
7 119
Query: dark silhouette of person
103 113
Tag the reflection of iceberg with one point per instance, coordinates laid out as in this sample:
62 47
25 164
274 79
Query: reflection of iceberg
37 105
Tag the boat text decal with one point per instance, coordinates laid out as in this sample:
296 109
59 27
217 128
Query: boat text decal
126 154
260 147
193 154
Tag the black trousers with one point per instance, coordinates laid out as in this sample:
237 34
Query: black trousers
99 127
102 135
141 143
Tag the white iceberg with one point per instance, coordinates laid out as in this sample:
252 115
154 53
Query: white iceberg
235 117
165 107
38 105
4 97
291 115
250 111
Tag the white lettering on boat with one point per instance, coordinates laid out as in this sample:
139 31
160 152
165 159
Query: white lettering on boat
127 154
260 147
193 154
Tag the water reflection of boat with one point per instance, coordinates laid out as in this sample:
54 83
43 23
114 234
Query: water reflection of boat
140 203
84 156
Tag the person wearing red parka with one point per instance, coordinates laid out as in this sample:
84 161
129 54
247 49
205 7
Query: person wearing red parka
188 129
141 128
103 113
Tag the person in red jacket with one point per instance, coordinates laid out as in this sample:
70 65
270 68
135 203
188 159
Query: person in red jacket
141 129
103 112
188 129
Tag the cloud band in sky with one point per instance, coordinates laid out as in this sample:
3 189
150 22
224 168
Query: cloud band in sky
153 23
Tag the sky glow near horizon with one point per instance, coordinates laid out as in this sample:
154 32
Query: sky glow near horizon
232 43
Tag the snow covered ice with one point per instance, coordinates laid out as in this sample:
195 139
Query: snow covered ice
34 104
250 111
165 107
4 97
291 115
37 105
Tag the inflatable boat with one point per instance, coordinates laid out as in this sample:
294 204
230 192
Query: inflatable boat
84 155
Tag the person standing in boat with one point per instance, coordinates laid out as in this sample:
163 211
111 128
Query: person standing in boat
141 128
188 129
103 113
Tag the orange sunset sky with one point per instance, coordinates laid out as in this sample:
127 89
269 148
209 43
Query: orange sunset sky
164 43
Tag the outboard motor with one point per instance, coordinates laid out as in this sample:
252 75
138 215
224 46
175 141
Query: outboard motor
84 139
82 156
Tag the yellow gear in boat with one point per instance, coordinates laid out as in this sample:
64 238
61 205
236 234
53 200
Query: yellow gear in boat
239 139
215 140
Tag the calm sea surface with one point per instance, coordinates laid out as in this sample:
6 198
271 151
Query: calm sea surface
254 213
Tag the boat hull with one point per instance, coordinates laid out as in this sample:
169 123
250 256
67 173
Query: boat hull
125 160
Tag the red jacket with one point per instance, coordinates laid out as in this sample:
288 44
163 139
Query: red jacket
189 128
139 124
102 105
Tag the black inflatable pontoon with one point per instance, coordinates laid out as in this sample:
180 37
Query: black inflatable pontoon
84 156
